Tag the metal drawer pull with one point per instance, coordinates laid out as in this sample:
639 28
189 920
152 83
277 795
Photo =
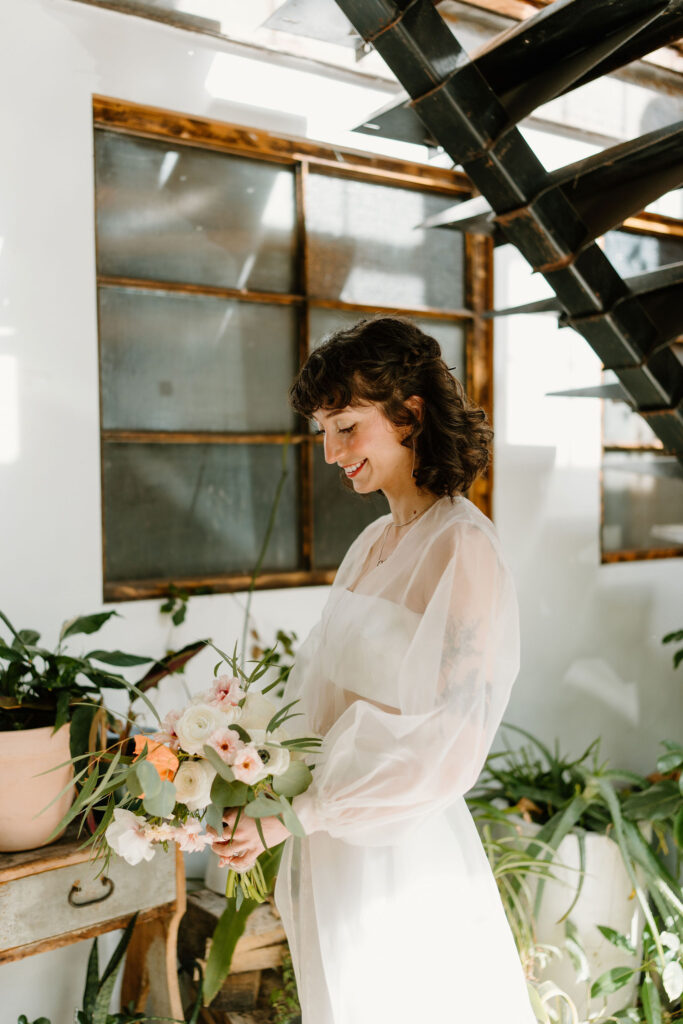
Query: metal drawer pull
76 888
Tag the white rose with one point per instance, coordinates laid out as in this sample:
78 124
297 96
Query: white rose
193 782
277 759
257 711
126 836
197 723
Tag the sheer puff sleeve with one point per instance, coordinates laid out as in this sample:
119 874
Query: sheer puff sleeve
379 775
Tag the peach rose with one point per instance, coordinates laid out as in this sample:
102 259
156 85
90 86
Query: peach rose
163 759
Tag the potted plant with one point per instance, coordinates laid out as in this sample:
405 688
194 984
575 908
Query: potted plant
51 707
609 883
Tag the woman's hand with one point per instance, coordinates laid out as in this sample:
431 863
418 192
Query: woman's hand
242 851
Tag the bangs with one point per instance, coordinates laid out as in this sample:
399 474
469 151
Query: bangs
324 383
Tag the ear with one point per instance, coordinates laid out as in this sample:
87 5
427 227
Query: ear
416 406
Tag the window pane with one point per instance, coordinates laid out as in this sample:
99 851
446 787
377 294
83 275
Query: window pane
193 510
636 254
366 246
339 515
168 212
190 362
642 511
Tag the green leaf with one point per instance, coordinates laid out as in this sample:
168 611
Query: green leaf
290 819
262 807
106 987
162 803
670 761
28 637
214 818
85 624
81 720
652 1006
658 802
231 927
118 658
92 979
133 784
149 778
215 759
78 804
611 981
229 794
678 829
616 938
295 780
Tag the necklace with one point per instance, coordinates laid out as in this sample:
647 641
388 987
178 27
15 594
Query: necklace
398 526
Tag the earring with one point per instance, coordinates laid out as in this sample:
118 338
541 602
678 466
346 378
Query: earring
412 471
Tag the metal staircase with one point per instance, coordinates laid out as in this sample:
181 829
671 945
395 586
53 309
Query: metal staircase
471 107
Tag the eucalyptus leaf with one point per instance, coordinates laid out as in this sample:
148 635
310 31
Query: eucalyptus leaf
262 807
290 819
149 778
229 794
162 803
295 780
214 818
215 759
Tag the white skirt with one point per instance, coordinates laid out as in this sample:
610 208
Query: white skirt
399 932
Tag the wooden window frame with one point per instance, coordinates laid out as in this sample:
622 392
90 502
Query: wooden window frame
655 226
114 115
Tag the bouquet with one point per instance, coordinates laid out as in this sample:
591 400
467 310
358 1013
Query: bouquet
228 749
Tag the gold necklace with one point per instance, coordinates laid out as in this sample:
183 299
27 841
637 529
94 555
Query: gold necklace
398 526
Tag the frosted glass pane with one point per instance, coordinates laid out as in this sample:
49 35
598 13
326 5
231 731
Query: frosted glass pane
366 246
190 362
623 426
339 514
194 510
642 511
168 212
637 254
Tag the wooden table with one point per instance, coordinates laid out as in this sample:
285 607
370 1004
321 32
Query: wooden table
52 897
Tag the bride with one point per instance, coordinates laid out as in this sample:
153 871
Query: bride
389 904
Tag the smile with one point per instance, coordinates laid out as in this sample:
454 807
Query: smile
355 468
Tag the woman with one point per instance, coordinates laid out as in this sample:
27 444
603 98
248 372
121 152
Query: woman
389 903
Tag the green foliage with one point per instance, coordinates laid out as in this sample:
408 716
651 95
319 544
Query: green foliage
175 604
285 1000
675 638
231 926
39 687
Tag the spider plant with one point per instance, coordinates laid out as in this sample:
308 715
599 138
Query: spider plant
562 795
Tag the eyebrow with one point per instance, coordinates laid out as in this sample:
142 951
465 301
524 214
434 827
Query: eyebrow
332 415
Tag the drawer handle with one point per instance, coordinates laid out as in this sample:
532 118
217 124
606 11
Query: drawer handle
76 888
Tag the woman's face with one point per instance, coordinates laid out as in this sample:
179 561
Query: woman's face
367 446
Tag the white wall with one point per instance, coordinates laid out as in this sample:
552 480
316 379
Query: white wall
592 661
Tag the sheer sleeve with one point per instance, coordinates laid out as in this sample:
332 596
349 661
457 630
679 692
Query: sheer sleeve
380 774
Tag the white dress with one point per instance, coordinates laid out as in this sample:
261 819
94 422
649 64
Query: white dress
389 904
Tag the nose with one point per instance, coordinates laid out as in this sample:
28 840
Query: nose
333 446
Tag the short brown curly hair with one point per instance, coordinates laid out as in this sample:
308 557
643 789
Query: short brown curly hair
385 360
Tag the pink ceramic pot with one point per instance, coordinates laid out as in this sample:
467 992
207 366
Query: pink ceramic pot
24 792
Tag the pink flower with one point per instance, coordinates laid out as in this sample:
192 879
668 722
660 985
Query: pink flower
167 734
227 743
226 692
248 766
160 833
190 837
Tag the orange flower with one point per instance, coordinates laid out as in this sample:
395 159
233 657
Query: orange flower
163 759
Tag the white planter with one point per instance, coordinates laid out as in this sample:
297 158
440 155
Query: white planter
606 899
